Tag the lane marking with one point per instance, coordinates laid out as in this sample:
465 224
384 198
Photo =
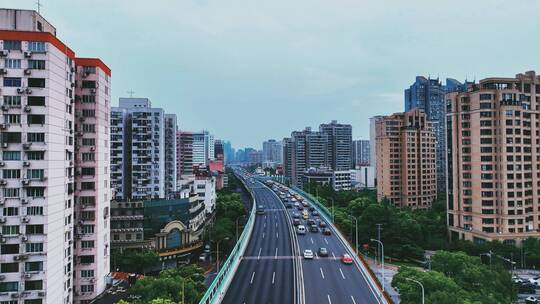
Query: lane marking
333 255
252 276
322 273
277 235
276 253
312 241
274 276
342 275
263 235
264 226
259 256
276 224
329 301
352 298
326 241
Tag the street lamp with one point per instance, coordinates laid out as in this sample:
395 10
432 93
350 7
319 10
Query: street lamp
217 251
488 254
238 218
333 211
356 229
382 258
421 286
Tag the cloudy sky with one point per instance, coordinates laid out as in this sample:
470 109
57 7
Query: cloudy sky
252 70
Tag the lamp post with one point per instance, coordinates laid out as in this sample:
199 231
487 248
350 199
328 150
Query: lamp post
382 259
421 286
238 218
356 231
333 211
488 254
217 251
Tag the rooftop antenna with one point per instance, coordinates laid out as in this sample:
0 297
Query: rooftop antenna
39 5
130 92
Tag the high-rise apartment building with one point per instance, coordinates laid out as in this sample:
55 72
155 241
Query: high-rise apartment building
373 141
92 178
195 149
494 160
120 154
184 150
339 145
287 156
202 148
272 151
427 94
361 152
405 149
55 172
148 169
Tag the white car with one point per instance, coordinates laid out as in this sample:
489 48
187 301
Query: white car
535 281
308 254
531 299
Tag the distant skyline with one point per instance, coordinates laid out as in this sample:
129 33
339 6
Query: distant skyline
249 71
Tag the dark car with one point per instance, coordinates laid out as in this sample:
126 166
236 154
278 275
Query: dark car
322 224
313 228
296 215
289 206
311 222
260 210
311 208
327 231
300 208
296 222
323 252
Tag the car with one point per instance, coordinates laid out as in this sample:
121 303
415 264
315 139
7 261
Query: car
313 228
296 215
300 208
308 254
305 216
260 210
527 288
323 252
326 231
322 224
531 299
289 206
346 259
311 208
311 222
301 229
315 213
296 222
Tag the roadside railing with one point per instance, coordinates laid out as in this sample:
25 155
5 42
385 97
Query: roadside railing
215 293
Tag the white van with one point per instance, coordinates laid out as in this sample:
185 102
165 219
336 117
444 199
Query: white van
301 229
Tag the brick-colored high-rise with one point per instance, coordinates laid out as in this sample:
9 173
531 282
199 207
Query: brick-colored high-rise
405 149
493 160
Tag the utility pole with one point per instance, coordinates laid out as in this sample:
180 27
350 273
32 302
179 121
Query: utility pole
379 239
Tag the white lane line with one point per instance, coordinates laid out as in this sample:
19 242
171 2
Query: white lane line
259 256
352 298
326 241
322 273
263 235
252 276
342 275
276 224
329 301
333 255
276 253
274 276
264 226
312 241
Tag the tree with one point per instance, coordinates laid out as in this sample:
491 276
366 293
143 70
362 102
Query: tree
134 260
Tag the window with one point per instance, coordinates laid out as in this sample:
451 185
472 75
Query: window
33 285
9 249
88 157
36 46
87 259
89 99
87 229
12 45
13 101
35 155
87 200
88 171
9 267
35 137
35 119
36 64
87 288
33 301
11 211
88 186
12 63
88 215
485 96
10 229
34 247
11 155
87 273
89 128
33 266
34 229
36 82
88 141
36 101
9 286
11 173
12 118
12 81
11 192
89 69
35 173
87 244
89 113
35 191
88 84
34 210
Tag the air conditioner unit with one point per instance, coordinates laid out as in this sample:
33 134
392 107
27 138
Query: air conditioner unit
71 163
28 91
71 101
3 239
3 182
41 293
25 219
28 109
23 257
17 257
82 119
43 178
25 181
15 295
27 146
26 164
4 53
5 107
20 90
3 71
4 145
27 275
27 54
3 220
2 277
2 163
24 238
27 71
72 69
93 91
92 148
3 126
24 201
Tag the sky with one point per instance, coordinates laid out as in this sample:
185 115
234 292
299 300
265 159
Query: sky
252 70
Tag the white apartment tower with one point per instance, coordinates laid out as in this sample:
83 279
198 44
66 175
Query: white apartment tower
39 218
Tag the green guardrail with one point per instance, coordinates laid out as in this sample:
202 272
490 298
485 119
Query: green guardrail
214 294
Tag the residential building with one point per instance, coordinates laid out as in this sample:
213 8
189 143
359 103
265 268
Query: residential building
184 151
363 178
127 226
373 141
339 145
361 152
228 152
287 156
493 160
272 151
43 145
338 180
150 135
406 173
120 154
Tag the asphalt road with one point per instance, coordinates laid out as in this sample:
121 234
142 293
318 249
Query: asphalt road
265 274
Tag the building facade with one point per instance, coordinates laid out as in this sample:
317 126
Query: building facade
272 151
55 124
405 149
493 160
361 152
339 145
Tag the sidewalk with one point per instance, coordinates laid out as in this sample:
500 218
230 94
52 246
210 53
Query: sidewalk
389 272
